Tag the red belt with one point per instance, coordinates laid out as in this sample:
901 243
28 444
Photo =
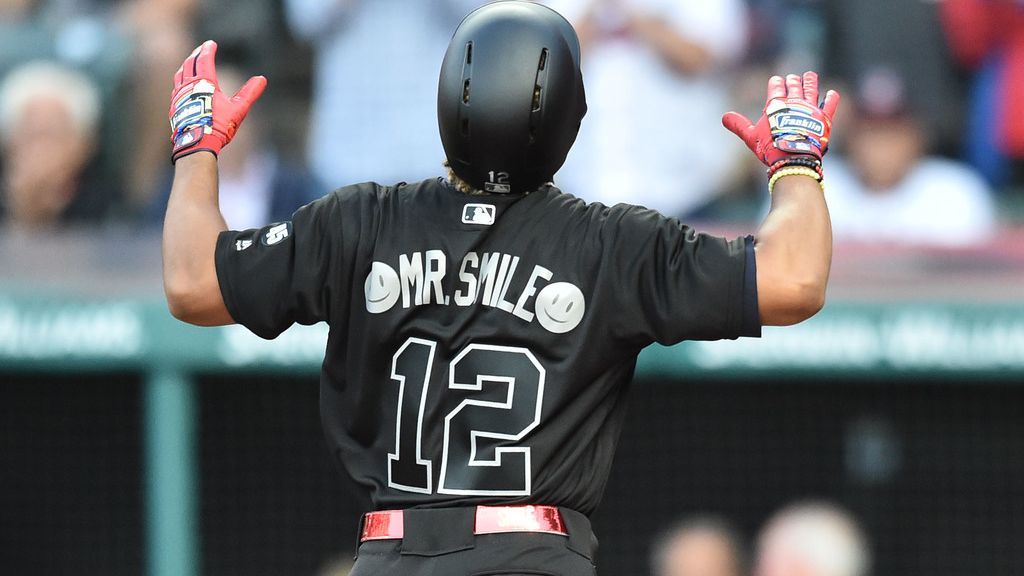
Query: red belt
389 524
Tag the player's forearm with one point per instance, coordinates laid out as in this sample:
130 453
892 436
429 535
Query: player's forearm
794 253
191 227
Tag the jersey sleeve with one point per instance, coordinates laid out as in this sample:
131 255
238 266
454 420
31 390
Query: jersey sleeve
287 272
676 284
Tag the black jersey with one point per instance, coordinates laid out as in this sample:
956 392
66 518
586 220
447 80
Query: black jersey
480 346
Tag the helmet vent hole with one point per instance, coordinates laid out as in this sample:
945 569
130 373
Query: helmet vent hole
465 126
543 59
465 91
537 91
469 53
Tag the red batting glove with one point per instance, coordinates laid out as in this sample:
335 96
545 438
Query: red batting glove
792 126
202 117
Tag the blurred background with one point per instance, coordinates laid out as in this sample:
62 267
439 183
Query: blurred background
883 437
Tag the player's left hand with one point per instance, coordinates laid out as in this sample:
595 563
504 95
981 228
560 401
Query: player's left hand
793 125
202 117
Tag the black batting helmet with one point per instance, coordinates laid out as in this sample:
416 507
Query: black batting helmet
510 98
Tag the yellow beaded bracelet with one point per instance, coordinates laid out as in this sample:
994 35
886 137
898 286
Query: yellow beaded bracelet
794 171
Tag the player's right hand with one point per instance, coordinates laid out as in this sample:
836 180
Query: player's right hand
202 117
794 128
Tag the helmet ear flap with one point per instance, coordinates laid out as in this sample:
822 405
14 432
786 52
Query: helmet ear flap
510 96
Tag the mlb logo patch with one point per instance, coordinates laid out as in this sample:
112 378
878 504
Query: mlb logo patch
478 214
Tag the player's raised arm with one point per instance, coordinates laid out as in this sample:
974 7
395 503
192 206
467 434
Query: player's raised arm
203 120
794 243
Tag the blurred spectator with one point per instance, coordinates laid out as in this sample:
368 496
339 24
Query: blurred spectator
844 40
657 85
162 34
785 35
812 539
130 48
988 36
257 186
22 36
48 123
76 33
241 29
374 113
905 37
701 546
889 190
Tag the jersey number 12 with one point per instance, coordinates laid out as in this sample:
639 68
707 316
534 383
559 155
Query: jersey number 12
482 454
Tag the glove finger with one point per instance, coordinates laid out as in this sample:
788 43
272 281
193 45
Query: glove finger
178 76
250 91
776 88
206 61
741 126
794 86
831 104
189 66
811 87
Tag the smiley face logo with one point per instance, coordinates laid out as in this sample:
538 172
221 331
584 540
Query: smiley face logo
382 288
560 307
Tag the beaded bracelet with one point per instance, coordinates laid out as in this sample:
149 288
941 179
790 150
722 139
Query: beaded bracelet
794 171
812 163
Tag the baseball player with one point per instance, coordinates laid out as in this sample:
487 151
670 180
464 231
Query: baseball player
484 327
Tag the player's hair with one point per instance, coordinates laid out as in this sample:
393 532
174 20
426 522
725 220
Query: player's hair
463 186
43 79
826 535
701 524
460 184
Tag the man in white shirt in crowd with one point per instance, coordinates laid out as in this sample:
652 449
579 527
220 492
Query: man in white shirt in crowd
374 112
887 189
656 73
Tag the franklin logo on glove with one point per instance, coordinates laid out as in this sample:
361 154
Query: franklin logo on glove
799 120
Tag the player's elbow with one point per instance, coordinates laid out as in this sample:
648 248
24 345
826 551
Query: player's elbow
196 302
180 300
792 302
808 299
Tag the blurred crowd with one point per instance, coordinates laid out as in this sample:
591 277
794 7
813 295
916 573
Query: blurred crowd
804 538
928 143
